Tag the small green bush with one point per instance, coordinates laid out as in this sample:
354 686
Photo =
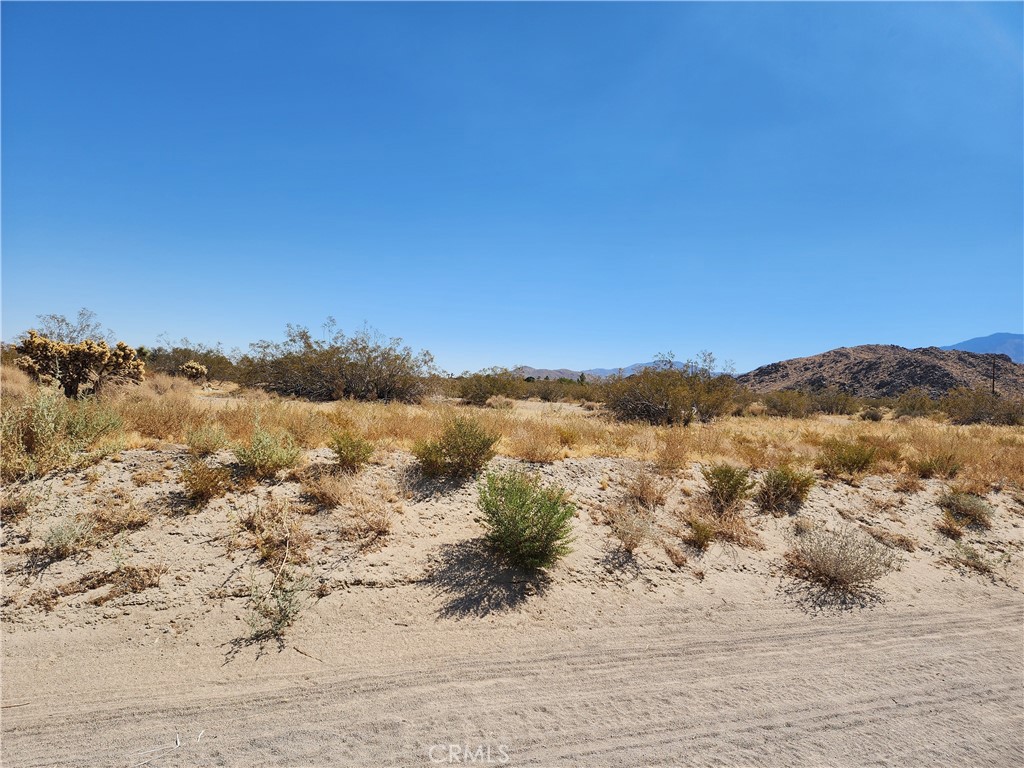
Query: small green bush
727 486
462 450
702 533
840 457
914 402
267 453
872 414
528 523
351 451
946 465
790 403
783 489
966 509
206 439
972 406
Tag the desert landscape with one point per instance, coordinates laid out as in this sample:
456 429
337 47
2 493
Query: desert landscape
222 576
566 385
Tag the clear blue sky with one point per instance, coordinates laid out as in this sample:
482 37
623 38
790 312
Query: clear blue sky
573 185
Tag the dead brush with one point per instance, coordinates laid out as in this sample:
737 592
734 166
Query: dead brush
966 556
843 560
117 513
148 477
203 483
66 538
277 533
368 520
16 503
707 524
890 538
328 489
907 483
949 527
630 523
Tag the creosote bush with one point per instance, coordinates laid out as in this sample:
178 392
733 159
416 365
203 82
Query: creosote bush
462 450
974 406
667 394
727 486
527 522
783 489
842 457
267 453
350 451
844 560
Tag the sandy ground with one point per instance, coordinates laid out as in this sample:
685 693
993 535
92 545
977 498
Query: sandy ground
423 651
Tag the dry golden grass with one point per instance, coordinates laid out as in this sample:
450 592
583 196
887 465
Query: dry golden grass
327 488
15 384
277 533
890 539
126 580
367 520
148 476
118 512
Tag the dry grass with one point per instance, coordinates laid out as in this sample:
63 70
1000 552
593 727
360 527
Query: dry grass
277 533
890 538
126 580
16 503
203 482
148 477
966 509
949 527
367 520
327 488
117 513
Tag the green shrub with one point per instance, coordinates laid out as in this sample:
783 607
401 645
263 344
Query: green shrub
943 464
727 486
351 451
844 560
45 431
702 533
206 439
528 523
478 388
972 406
834 401
267 453
872 414
365 366
461 451
789 403
914 402
669 394
783 489
273 609
840 457
966 509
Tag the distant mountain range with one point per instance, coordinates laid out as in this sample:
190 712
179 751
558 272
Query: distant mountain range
1009 344
877 370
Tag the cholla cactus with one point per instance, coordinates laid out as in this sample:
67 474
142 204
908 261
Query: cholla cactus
89 364
193 371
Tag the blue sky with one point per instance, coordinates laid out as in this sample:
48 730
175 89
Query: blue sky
574 185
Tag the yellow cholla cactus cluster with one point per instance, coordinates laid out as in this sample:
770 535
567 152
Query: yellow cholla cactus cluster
78 367
193 371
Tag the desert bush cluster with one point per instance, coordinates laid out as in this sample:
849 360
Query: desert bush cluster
844 560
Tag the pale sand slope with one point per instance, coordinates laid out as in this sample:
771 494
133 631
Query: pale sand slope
611 664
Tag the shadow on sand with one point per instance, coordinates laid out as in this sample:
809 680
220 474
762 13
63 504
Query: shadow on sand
472 581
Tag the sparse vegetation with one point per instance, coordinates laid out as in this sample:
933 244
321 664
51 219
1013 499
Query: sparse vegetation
783 489
844 560
267 453
527 522
277 533
203 482
839 458
272 609
973 406
351 452
728 486
66 538
206 439
462 450
966 509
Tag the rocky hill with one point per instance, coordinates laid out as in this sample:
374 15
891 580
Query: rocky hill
876 370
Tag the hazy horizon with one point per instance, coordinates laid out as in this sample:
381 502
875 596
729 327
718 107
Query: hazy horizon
559 186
